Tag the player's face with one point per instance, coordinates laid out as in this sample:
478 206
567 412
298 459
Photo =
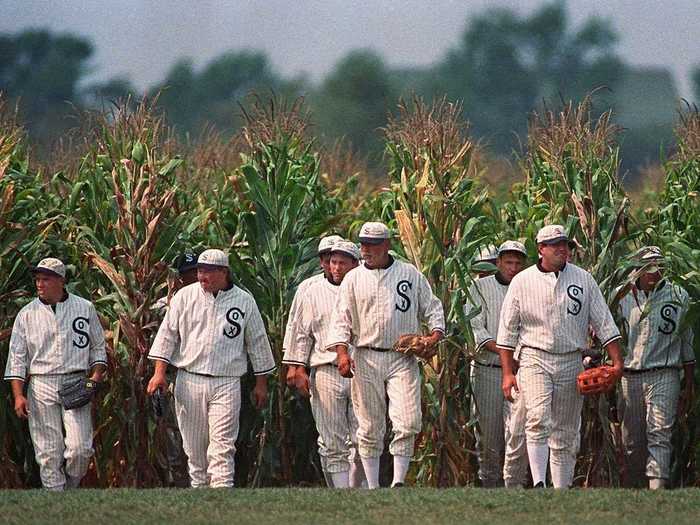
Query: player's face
649 280
375 255
554 256
325 261
510 265
49 287
340 265
212 279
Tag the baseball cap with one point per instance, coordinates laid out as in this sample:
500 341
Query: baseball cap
512 246
212 258
51 266
327 243
487 254
552 234
347 248
374 233
185 262
650 253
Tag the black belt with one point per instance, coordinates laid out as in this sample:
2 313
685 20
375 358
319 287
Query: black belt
198 373
375 349
655 369
485 365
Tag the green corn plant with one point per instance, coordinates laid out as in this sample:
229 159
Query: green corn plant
442 217
124 222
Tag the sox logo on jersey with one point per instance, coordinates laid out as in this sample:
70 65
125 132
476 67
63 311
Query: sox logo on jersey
232 316
402 289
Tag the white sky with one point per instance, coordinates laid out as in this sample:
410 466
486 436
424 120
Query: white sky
140 39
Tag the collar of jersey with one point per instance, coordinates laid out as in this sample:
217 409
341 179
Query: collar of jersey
542 270
391 263
61 300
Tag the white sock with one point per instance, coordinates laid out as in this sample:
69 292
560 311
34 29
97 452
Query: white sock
538 454
401 464
371 466
562 475
657 483
357 475
341 480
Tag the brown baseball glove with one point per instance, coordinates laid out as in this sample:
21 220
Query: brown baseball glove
411 344
598 380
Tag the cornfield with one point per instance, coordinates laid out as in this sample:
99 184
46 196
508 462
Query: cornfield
127 197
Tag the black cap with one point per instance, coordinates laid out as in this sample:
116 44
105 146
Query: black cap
185 262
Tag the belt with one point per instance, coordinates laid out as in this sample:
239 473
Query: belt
643 370
375 349
485 365
198 373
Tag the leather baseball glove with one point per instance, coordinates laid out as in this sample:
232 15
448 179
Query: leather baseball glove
598 380
411 344
159 402
77 392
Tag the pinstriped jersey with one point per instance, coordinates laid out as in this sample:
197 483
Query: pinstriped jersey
655 333
313 325
377 306
47 342
291 318
488 294
553 313
211 335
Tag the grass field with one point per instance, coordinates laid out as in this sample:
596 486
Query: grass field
317 506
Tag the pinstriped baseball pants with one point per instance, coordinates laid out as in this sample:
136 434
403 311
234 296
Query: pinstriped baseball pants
378 375
47 421
207 410
647 406
487 405
548 384
515 461
331 406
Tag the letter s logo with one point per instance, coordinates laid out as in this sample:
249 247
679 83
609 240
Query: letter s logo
668 313
575 293
402 289
80 327
232 316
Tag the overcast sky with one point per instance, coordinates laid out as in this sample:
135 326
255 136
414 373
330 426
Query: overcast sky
140 39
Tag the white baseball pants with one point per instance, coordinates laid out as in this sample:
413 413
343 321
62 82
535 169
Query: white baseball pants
515 461
548 384
378 375
57 455
648 403
207 410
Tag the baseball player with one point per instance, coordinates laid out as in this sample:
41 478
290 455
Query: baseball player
209 331
547 311
173 460
331 404
658 347
55 339
487 294
293 365
378 302
487 254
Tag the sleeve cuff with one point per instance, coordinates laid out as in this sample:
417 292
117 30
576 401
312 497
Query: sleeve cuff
483 343
438 329
98 362
158 358
333 345
265 372
691 362
505 347
612 339
292 362
10 378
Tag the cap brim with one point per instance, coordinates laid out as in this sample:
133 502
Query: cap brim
555 241
348 254
210 266
187 268
371 240
46 271
512 251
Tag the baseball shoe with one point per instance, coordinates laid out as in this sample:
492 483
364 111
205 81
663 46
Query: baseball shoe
540 485
397 485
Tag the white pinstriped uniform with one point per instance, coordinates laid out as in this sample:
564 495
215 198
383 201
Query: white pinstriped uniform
50 347
515 456
374 308
488 402
291 318
331 403
658 345
209 340
549 316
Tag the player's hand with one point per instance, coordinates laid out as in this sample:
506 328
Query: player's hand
21 407
509 384
291 376
345 365
685 401
617 371
301 382
260 394
157 382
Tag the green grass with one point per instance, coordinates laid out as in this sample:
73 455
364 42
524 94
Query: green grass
318 506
